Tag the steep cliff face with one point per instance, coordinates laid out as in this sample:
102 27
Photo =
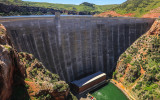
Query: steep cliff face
23 77
9 65
138 68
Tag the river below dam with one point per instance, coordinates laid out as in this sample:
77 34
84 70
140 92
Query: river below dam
109 92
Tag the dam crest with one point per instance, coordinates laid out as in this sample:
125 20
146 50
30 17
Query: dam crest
74 47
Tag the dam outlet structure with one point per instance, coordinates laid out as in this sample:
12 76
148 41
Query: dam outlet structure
75 46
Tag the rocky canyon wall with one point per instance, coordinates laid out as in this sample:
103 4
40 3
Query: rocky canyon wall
74 47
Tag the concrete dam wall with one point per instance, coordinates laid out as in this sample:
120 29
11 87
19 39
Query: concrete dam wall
74 47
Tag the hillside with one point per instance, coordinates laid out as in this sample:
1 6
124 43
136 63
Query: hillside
138 68
137 8
113 14
155 13
49 8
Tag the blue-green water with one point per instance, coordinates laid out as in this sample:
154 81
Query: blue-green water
109 92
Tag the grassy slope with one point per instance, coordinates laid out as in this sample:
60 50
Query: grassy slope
71 7
139 7
100 8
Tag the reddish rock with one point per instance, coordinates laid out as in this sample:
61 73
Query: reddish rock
9 65
129 15
114 14
155 13
109 14
155 30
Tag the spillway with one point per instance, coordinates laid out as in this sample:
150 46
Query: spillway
74 47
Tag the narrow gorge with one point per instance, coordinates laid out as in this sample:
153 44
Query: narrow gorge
74 47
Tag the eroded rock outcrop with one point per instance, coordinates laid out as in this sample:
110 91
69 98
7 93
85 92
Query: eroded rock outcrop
42 84
155 29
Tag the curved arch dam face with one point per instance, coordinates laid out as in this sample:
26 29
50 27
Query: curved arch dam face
74 47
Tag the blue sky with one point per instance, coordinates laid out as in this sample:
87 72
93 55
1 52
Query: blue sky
98 2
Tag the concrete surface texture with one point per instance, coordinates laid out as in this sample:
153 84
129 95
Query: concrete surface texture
74 47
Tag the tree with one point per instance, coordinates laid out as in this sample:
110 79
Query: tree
88 4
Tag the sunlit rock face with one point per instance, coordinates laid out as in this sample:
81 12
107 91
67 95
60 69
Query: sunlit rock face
74 47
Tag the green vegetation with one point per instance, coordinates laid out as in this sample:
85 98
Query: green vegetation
27 79
71 97
27 86
10 1
127 59
45 96
1 31
84 8
40 84
114 74
133 74
8 47
138 7
60 87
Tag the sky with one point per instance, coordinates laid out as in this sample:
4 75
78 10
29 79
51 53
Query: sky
77 2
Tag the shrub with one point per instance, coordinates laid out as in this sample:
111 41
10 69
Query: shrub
114 74
27 86
124 55
27 79
148 83
128 59
158 77
40 84
48 96
7 47
27 65
133 79
138 86
34 71
121 75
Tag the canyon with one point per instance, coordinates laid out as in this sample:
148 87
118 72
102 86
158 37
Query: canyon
137 70
75 46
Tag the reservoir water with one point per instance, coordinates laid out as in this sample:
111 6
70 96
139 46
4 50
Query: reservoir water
109 92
